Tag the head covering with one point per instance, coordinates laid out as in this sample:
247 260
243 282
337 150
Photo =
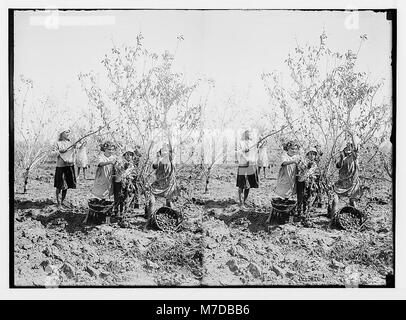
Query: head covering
163 146
64 129
107 145
246 131
128 150
311 149
350 145
290 144
61 131
137 150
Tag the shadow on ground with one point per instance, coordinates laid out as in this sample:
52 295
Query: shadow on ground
254 221
211 204
69 221
28 204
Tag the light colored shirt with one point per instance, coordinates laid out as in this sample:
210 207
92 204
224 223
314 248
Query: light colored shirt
103 181
64 159
247 157
122 168
286 183
81 157
306 169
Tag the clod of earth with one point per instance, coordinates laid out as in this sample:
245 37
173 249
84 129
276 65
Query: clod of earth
27 246
337 265
104 274
255 270
279 271
211 244
232 265
57 255
68 270
91 271
152 265
46 265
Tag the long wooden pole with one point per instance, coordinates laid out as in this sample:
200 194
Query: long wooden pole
89 134
270 134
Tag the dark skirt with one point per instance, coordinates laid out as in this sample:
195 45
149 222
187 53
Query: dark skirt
65 178
118 191
247 177
119 196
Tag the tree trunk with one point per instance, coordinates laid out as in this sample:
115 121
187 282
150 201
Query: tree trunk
149 207
206 187
225 145
26 174
149 204
213 155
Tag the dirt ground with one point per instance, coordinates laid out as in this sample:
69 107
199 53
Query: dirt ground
217 245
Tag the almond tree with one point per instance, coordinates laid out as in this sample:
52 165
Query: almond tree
36 123
328 100
148 100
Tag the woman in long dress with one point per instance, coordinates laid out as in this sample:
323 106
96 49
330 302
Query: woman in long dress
247 174
103 181
286 184
81 159
348 184
165 185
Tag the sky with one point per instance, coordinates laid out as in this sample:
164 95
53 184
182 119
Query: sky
231 47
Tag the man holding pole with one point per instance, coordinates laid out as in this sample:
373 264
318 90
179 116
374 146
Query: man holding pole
65 177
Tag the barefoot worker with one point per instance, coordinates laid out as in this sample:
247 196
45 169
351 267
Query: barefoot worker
286 183
165 182
348 184
65 171
121 184
306 181
247 174
103 181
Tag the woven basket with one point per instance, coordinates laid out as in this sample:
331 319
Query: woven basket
99 209
281 210
349 218
166 219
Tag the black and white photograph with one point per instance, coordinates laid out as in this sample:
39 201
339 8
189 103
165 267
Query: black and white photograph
202 148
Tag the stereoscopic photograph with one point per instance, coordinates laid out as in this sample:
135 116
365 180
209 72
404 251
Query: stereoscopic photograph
202 148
